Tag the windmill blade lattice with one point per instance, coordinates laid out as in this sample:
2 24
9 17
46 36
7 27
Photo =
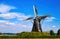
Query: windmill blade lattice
35 11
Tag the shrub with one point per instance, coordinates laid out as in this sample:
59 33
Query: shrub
52 32
58 32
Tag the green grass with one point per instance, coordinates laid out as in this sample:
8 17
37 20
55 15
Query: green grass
31 35
36 35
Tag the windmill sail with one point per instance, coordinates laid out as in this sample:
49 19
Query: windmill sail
35 10
43 17
29 18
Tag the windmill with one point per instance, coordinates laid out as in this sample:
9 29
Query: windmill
37 21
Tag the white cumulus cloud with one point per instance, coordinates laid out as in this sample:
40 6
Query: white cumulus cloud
8 26
13 27
5 8
53 26
50 19
14 15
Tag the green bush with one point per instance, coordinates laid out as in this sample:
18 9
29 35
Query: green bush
58 33
52 32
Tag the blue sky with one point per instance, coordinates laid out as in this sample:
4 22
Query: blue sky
12 12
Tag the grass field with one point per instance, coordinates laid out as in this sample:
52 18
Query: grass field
29 38
31 35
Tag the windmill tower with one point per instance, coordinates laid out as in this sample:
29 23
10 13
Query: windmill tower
37 21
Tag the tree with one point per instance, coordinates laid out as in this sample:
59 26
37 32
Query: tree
52 32
58 32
